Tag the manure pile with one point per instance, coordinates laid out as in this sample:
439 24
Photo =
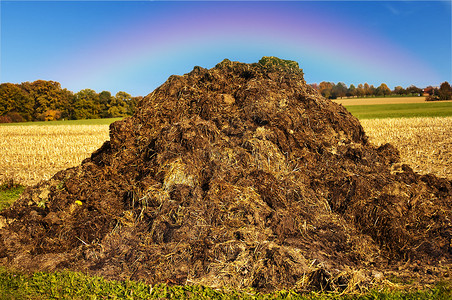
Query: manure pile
237 176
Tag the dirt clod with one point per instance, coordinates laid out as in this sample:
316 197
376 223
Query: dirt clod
237 176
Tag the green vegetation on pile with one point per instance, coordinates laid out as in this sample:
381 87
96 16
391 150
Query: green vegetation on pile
9 192
405 110
73 285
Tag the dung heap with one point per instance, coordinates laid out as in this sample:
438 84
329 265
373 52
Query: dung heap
238 176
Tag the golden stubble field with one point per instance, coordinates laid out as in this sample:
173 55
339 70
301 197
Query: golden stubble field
32 153
29 154
424 143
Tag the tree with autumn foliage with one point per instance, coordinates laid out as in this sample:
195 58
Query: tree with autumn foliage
414 90
443 93
15 103
398 90
360 91
46 101
383 90
351 91
47 96
86 105
326 89
339 90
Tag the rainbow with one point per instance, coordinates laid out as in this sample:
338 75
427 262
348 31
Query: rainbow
161 39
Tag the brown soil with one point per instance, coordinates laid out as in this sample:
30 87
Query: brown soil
238 176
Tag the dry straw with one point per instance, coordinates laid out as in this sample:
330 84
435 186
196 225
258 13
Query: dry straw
29 154
424 143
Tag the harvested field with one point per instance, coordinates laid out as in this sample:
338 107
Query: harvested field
424 143
29 154
240 176
406 110
382 100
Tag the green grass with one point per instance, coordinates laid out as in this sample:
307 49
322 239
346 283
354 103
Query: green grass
9 192
406 110
73 285
67 122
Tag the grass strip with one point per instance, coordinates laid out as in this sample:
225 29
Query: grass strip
74 285
9 192
405 110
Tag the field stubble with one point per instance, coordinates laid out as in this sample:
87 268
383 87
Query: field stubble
424 143
33 153
30 154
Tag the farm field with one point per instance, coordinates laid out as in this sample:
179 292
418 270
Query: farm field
406 110
381 100
33 153
424 143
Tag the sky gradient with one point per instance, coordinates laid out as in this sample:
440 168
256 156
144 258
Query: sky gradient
134 46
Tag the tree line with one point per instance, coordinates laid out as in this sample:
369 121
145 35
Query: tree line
331 90
43 100
444 92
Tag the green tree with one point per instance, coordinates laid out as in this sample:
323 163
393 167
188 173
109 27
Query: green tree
340 89
105 100
48 96
45 95
123 97
367 91
398 90
85 105
414 90
360 90
383 90
372 90
14 99
66 99
445 91
134 102
118 105
351 91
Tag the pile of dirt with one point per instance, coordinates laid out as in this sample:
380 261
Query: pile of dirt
237 176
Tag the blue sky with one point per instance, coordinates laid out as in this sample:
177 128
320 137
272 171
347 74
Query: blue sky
134 46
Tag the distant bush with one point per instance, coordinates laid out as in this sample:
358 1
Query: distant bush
5 119
431 98
12 117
